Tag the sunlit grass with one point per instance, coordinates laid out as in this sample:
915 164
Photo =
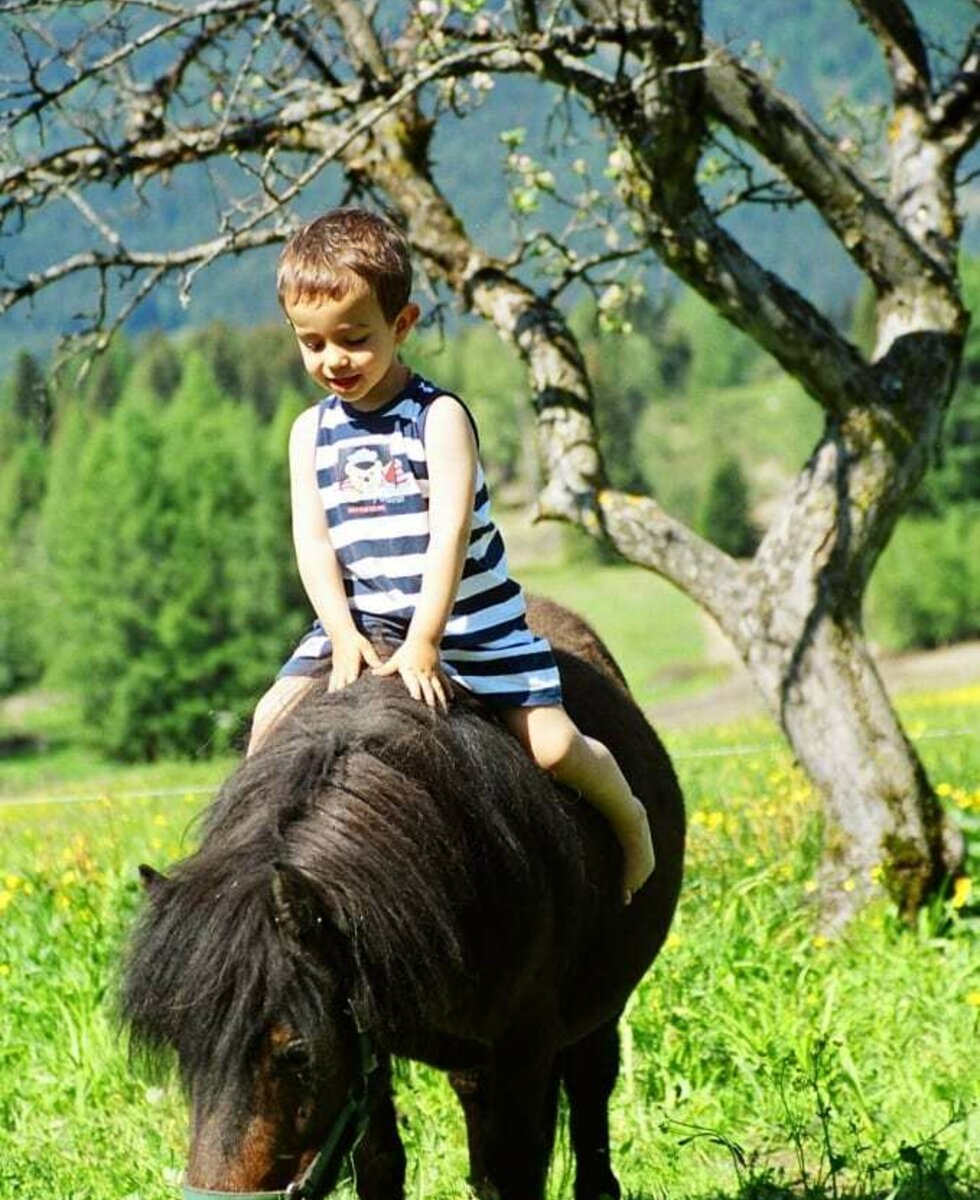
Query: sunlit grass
760 1061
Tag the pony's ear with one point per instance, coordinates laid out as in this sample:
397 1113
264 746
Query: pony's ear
298 911
153 882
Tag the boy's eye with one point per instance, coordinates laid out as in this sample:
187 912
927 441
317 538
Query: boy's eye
356 341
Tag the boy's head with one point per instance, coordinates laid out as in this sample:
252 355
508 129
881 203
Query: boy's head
344 282
326 257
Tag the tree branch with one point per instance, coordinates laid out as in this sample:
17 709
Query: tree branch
955 117
896 30
780 129
225 9
660 121
526 15
162 262
362 41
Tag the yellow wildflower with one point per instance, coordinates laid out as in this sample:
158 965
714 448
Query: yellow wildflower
5 899
12 882
4 970
973 999
962 889
821 941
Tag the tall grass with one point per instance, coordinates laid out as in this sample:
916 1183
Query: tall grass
760 1062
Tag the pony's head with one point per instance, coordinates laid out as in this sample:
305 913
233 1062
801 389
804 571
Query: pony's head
255 1005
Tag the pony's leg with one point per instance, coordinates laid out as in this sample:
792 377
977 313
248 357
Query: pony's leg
471 1088
514 1111
379 1160
471 1092
589 1070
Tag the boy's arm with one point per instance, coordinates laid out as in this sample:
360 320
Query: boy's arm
317 560
450 449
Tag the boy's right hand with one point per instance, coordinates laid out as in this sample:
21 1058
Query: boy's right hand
350 655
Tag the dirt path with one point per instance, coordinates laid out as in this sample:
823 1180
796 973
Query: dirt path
951 666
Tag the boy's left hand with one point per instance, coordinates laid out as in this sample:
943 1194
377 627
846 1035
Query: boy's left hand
417 662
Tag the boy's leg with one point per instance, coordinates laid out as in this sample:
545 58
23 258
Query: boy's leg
274 705
553 741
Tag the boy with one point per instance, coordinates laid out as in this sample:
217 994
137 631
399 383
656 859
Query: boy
392 528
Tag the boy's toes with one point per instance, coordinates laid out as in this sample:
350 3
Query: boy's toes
639 858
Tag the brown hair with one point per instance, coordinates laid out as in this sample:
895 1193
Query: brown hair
325 254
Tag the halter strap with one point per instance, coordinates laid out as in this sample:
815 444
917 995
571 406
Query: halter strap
320 1177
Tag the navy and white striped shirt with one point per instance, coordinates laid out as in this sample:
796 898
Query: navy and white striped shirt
373 479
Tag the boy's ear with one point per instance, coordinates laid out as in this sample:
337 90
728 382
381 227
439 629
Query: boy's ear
405 320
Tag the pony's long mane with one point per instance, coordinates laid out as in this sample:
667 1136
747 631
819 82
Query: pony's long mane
407 827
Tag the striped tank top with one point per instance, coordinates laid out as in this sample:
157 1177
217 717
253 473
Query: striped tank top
372 476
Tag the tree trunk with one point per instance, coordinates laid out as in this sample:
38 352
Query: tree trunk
794 615
883 823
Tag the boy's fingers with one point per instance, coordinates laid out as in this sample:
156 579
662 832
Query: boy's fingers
412 683
371 656
427 687
388 668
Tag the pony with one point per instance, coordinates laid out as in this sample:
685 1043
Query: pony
384 880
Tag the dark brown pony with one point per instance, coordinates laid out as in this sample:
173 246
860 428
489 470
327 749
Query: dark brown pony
381 869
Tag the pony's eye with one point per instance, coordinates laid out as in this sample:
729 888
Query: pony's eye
293 1056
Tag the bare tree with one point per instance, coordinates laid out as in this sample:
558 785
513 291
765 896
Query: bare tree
123 93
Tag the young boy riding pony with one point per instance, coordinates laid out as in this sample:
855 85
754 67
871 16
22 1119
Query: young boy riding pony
392 526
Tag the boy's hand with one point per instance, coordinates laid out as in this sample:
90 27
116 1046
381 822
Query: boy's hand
417 662
350 653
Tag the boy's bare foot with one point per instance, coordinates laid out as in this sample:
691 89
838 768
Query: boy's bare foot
638 857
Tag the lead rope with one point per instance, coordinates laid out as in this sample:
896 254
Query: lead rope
320 1177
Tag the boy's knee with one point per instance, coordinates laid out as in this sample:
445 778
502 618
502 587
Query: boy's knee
274 705
554 745
269 704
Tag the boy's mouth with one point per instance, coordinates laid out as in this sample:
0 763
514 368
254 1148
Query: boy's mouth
345 383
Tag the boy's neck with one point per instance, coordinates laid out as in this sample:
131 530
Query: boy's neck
396 377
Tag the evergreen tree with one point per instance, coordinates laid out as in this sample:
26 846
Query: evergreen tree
725 518
105 381
720 355
272 530
30 397
159 359
25 424
489 378
106 533
270 367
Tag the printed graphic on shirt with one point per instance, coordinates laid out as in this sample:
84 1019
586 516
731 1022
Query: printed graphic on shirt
371 480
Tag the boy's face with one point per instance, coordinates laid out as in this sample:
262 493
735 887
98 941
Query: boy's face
348 347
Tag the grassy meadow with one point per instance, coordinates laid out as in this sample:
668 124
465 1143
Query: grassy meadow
760 1061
